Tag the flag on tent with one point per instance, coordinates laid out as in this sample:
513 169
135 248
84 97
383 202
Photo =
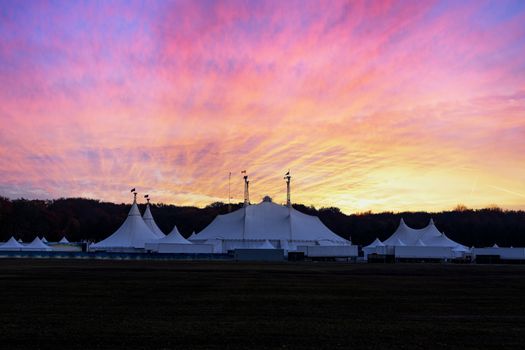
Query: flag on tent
133 189
288 173
243 172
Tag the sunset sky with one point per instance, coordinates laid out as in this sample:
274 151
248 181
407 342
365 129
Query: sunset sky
410 105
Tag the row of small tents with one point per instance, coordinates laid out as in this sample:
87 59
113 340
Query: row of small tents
36 244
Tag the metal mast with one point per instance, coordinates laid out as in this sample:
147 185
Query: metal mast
246 191
288 178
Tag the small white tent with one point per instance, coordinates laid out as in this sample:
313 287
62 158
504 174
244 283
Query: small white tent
175 243
64 240
44 239
37 245
376 247
265 245
192 236
11 244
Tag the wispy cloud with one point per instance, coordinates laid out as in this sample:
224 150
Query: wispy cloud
372 105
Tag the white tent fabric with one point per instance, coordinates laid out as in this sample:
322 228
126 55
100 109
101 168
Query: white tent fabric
173 237
266 245
11 244
37 245
420 243
64 240
192 236
148 219
268 221
133 233
427 236
376 247
427 242
44 239
375 243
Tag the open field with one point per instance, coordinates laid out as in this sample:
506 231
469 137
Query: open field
148 304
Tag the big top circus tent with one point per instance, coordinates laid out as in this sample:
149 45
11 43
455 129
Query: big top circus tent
282 226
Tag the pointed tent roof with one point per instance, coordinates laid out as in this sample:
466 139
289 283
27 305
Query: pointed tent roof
375 243
44 239
37 244
173 237
495 245
148 219
192 236
266 245
63 240
133 233
270 221
429 236
11 244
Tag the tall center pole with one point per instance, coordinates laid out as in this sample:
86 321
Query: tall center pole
288 179
246 191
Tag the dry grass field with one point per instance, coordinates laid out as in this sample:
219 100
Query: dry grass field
50 304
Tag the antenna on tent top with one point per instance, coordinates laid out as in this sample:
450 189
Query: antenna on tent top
134 195
288 178
246 189
147 197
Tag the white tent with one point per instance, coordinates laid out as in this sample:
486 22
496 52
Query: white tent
64 240
375 243
427 236
376 247
148 219
44 239
37 245
427 242
11 244
175 243
133 234
174 237
266 245
192 236
253 224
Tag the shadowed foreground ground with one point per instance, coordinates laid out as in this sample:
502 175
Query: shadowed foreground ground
135 305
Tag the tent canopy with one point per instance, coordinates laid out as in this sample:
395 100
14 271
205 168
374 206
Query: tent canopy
133 233
11 244
268 221
173 237
37 244
148 219
427 236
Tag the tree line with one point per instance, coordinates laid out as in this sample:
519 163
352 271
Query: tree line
88 219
